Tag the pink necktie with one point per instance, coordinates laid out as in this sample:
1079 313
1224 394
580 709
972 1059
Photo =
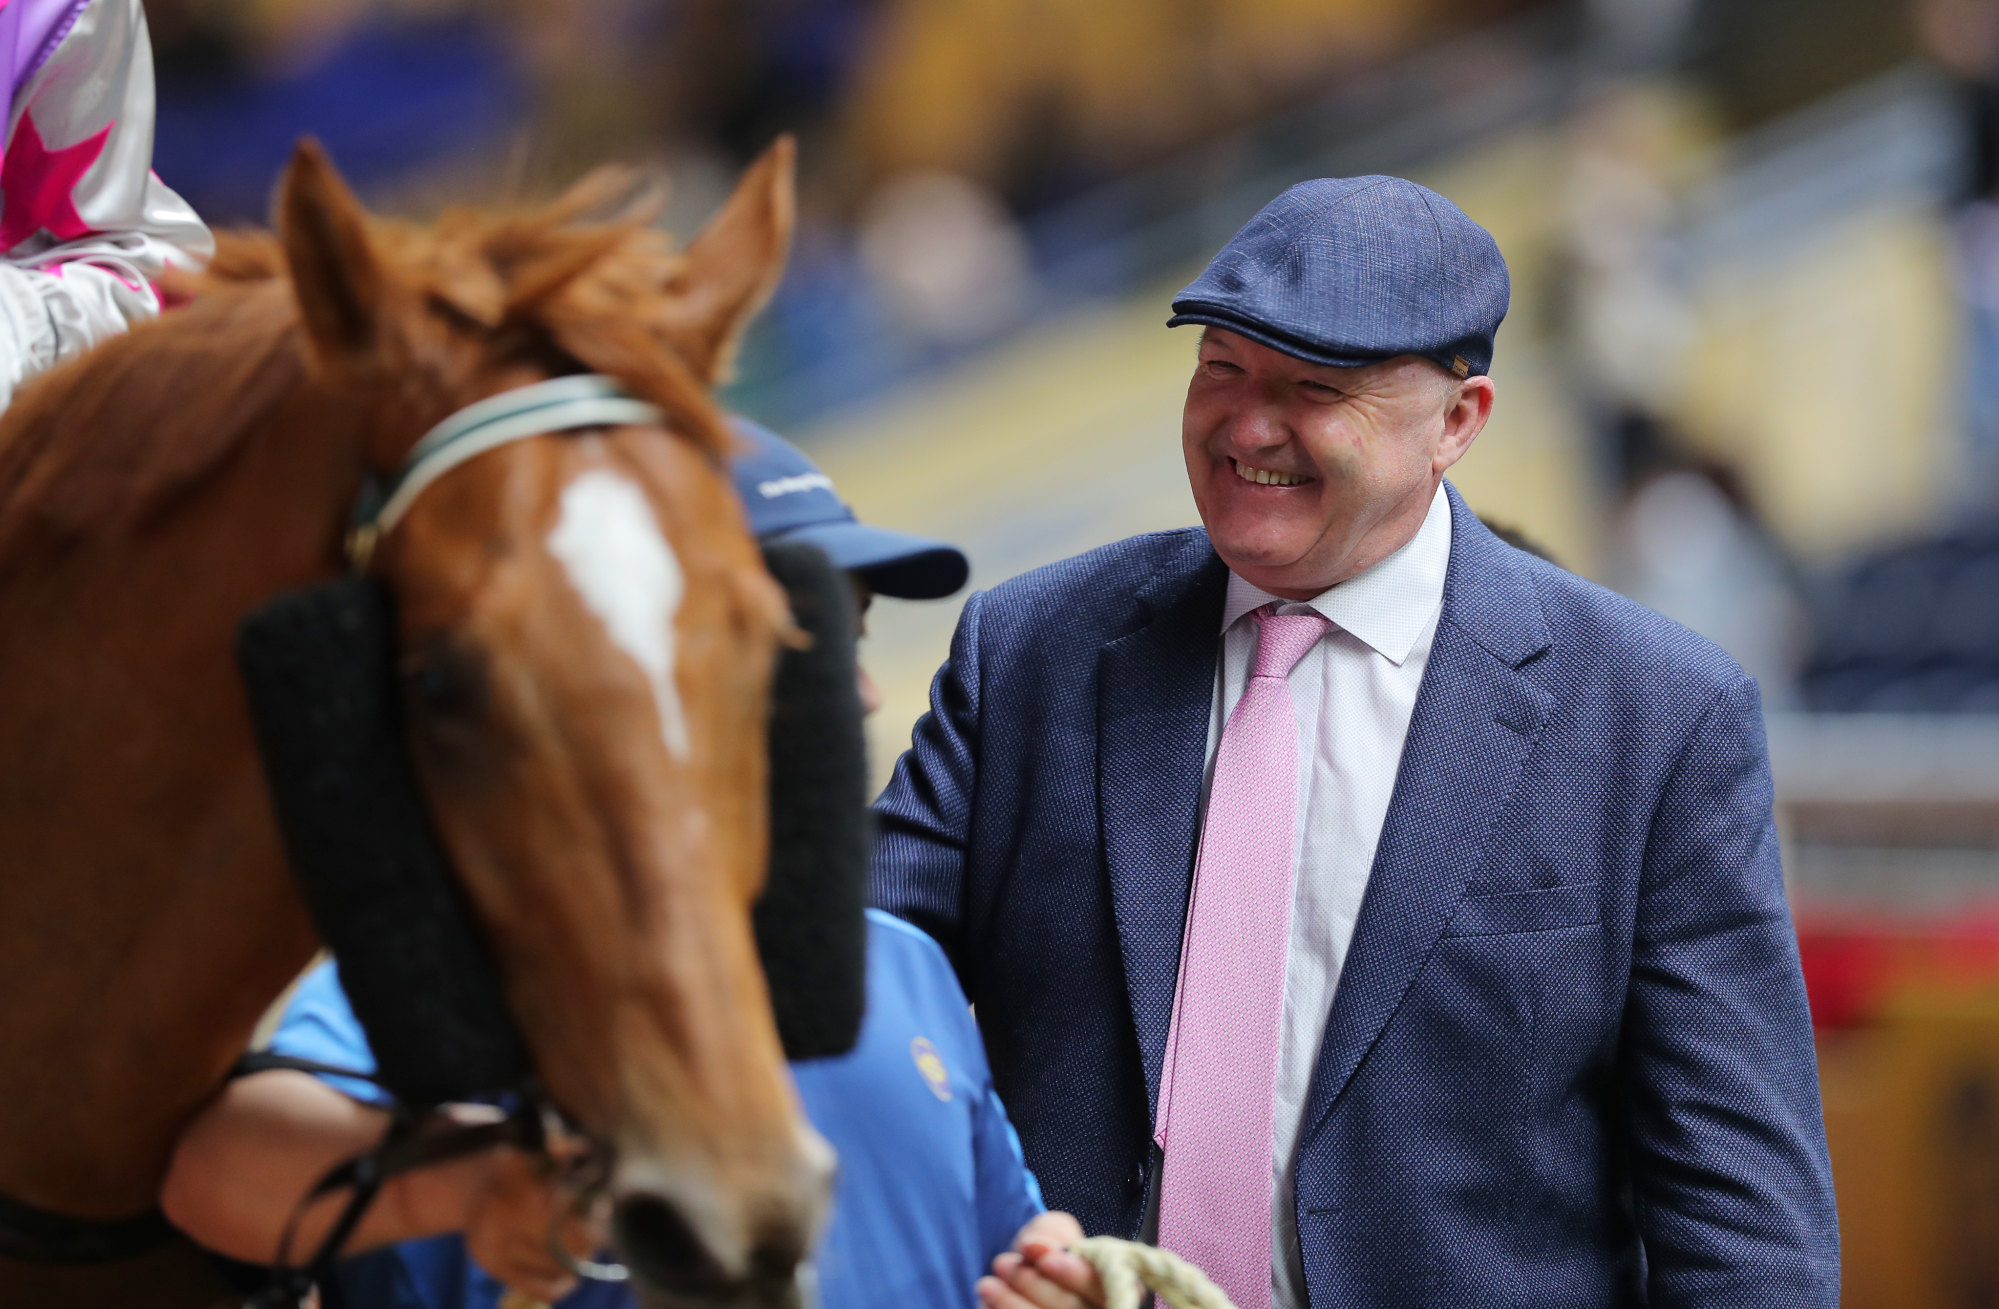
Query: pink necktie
1216 1095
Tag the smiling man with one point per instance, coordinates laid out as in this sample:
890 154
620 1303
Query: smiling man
1371 911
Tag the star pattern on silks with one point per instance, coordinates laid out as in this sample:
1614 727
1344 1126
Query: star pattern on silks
39 185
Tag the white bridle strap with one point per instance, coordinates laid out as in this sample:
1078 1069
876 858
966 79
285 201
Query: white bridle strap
558 405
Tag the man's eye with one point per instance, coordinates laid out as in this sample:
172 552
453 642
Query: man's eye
1222 368
1322 390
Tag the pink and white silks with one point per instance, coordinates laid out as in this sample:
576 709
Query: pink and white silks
85 226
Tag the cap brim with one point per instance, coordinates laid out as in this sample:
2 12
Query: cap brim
892 563
1280 341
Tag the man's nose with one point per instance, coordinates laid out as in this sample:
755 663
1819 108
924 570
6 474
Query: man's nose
1256 428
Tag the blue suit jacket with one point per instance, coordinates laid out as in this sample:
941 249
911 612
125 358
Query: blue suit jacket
1569 1061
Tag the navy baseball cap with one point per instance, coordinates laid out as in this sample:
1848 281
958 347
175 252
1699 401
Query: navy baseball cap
1353 270
789 499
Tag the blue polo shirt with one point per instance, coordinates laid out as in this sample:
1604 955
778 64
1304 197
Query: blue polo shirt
931 1183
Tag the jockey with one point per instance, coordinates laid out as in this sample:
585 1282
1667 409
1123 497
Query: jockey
85 227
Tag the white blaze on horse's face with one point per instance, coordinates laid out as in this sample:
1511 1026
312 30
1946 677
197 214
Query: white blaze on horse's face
620 562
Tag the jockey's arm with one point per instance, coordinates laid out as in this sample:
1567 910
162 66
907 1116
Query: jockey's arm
243 1164
86 228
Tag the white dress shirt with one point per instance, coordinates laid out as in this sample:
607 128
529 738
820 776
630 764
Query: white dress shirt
1354 693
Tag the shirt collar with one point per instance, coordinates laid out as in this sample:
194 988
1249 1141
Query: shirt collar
1389 606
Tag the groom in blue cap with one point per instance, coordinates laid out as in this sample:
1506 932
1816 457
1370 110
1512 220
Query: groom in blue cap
1377 914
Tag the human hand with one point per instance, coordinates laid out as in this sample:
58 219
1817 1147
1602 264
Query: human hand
1040 1273
514 1207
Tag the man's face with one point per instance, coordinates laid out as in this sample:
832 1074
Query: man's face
1306 475
864 599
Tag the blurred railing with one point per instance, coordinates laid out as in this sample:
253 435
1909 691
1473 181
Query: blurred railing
1891 141
1438 101
824 346
1890 812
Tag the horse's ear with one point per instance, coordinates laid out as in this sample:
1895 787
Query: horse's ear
335 271
735 263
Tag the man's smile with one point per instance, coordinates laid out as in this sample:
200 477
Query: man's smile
1266 476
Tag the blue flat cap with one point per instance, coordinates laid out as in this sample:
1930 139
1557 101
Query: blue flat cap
789 499
1353 270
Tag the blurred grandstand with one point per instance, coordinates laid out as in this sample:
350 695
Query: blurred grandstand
1750 377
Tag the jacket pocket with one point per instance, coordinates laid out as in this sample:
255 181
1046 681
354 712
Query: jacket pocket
1540 910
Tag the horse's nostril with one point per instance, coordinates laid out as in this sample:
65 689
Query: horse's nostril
666 1253
776 1260
664 1250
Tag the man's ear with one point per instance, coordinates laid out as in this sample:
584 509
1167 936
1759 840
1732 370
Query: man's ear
335 271
735 263
1464 418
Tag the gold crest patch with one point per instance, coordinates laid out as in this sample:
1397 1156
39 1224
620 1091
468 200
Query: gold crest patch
931 1064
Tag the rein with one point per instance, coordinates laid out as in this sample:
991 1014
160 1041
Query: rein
531 1124
33 1235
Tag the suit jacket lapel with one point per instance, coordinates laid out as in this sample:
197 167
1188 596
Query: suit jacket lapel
1155 696
1477 717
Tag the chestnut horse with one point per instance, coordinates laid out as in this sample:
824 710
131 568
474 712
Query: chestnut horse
605 811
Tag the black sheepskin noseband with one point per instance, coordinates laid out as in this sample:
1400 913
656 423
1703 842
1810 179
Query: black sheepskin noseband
320 667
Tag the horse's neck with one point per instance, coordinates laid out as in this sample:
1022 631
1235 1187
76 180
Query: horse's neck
146 918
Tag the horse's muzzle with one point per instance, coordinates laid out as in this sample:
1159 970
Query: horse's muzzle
673 1267
686 1252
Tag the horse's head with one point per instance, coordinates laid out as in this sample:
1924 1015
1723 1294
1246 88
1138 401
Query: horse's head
588 637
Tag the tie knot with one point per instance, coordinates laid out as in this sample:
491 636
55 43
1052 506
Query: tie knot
1283 639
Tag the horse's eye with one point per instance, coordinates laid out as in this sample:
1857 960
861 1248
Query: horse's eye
446 686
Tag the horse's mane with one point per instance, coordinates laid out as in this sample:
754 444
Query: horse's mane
114 437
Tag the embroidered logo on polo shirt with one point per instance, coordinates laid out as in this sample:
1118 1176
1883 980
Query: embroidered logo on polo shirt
931 1064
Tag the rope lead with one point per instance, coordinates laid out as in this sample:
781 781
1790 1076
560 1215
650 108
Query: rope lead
1130 1269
